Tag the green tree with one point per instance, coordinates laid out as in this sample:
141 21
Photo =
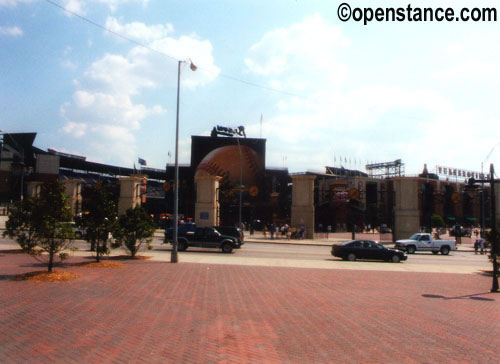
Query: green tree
40 224
21 224
437 220
100 218
134 229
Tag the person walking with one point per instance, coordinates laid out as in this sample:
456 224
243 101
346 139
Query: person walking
481 245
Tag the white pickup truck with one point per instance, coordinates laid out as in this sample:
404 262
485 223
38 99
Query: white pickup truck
425 242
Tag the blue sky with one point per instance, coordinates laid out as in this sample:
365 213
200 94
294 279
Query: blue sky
422 92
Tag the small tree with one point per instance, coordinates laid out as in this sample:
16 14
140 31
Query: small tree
134 229
437 221
21 225
100 218
40 226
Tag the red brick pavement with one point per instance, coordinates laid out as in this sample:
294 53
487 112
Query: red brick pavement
198 313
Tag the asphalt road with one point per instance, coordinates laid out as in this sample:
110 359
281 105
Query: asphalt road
320 256
306 256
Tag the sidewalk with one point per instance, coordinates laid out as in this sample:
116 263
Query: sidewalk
160 312
338 238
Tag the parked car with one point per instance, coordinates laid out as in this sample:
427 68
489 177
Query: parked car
206 237
367 249
425 242
233 231
78 231
384 229
182 230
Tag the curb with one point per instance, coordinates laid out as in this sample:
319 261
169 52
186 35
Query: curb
322 244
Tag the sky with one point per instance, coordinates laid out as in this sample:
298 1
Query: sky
99 79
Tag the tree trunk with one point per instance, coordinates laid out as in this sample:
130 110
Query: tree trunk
97 252
51 260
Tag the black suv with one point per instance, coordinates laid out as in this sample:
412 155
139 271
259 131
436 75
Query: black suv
232 231
207 237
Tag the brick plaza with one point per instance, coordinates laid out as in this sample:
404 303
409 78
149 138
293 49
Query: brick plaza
150 311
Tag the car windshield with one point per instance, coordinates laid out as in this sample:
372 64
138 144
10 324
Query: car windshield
414 237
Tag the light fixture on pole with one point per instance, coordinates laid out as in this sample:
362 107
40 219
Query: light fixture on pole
174 257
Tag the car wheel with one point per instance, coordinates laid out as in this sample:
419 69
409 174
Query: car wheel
445 250
182 246
395 258
435 252
411 249
351 257
78 235
227 248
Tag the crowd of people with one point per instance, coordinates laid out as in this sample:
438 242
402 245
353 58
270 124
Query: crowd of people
283 231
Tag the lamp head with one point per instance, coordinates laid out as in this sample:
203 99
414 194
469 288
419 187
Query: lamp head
193 66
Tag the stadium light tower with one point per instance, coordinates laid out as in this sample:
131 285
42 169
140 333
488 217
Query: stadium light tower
173 257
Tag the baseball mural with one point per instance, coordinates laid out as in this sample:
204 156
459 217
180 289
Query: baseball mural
225 162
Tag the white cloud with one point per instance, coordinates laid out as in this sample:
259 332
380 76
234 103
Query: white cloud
139 31
102 108
11 31
80 7
75 6
12 3
113 4
368 120
69 65
310 48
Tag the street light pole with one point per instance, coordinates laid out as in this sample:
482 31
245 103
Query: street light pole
241 183
494 237
174 256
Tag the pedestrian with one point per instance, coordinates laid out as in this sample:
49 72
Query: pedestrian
271 230
481 245
288 233
264 230
476 246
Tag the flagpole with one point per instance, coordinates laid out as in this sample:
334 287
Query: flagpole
261 126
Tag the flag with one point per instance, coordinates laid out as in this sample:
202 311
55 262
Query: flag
142 162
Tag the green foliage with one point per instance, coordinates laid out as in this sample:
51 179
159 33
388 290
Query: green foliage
494 239
134 229
39 224
20 225
437 221
100 218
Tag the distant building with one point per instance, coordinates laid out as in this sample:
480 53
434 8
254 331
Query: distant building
343 197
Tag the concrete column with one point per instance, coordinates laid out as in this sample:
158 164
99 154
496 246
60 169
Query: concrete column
73 189
303 203
207 205
130 193
34 188
406 213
